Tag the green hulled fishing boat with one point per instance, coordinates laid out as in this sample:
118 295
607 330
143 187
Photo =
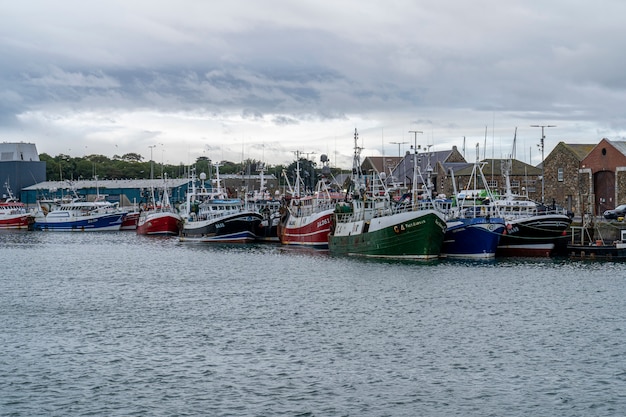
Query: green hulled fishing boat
372 224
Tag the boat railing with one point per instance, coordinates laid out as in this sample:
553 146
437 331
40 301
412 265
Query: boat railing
308 209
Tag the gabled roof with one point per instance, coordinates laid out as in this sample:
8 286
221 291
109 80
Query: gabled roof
579 149
456 167
619 145
381 163
436 156
494 167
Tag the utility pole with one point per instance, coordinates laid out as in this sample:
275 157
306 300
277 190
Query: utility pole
542 146
398 143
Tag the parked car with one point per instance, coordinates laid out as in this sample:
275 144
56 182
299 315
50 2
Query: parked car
619 211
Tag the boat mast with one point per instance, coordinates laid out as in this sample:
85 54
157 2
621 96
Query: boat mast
507 166
357 172
217 177
414 188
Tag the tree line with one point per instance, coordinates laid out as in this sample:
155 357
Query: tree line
133 166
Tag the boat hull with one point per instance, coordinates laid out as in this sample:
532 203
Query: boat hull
408 235
472 238
540 235
17 221
159 224
267 230
309 231
233 228
597 252
130 221
98 223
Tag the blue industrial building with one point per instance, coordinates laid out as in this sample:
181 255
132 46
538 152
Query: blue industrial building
20 167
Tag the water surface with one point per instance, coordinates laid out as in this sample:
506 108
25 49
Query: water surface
119 324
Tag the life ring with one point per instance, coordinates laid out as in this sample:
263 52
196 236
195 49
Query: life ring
396 229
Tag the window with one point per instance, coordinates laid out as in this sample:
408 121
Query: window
560 174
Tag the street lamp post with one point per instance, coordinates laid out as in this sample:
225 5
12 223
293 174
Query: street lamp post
542 146
398 143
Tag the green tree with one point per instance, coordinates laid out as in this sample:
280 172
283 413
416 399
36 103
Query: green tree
132 157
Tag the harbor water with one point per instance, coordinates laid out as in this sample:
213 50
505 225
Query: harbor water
115 324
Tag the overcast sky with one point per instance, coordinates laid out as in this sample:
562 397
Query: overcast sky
262 79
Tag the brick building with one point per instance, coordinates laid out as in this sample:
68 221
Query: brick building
603 176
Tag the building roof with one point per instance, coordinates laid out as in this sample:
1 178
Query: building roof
104 184
494 167
18 152
581 150
382 163
619 145
456 167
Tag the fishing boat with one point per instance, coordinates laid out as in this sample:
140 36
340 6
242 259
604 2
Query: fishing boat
306 218
159 218
587 242
532 229
211 216
79 215
371 224
267 230
269 207
14 214
130 219
474 226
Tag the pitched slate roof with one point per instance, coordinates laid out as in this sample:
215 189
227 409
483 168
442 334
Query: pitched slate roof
581 150
619 145
381 162
494 166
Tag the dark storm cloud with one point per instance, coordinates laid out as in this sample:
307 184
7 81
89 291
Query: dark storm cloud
309 71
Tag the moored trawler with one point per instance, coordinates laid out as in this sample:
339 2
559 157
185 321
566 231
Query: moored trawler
371 225
14 214
306 219
532 233
474 225
81 216
160 218
210 216
531 229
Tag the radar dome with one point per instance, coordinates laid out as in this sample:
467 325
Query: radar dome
202 176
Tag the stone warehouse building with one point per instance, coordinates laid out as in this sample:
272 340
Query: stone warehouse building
562 176
587 178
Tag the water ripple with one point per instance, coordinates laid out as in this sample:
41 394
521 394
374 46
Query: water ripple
117 324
